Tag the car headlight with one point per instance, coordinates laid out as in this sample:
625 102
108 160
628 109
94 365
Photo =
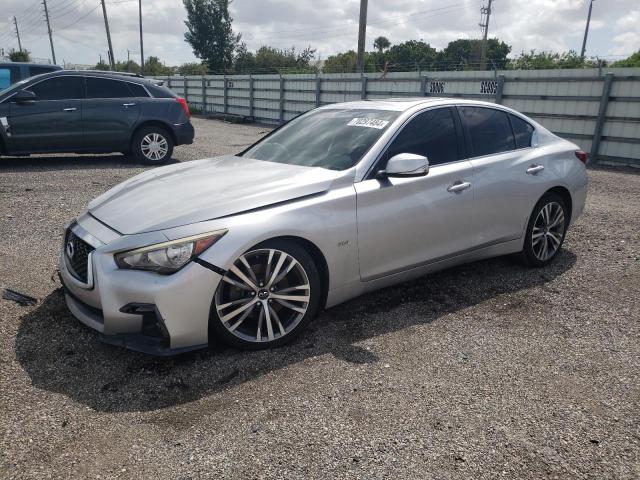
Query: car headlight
168 257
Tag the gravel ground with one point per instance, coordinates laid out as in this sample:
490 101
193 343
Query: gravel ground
487 370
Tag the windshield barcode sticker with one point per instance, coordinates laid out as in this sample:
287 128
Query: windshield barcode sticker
368 122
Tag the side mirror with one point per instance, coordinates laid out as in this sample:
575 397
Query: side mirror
406 165
24 97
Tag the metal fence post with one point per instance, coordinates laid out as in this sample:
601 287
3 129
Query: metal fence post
204 95
281 99
251 96
499 89
169 83
602 112
423 86
225 94
186 90
318 90
363 91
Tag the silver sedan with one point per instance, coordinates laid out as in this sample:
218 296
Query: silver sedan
342 200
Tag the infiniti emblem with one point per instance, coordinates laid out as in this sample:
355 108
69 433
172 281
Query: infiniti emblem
70 249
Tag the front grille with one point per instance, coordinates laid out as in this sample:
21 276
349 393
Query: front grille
80 250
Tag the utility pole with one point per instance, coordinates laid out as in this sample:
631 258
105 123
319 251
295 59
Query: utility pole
484 23
112 62
141 42
46 15
15 22
586 31
361 35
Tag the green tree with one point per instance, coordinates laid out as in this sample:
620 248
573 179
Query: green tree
130 66
153 66
273 60
102 65
409 55
193 69
209 32
632 61
464 54
546 60
381 44
19 56
346 63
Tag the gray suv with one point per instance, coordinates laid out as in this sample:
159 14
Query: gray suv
91 112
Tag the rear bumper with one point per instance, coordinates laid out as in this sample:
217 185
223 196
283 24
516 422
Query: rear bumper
184 133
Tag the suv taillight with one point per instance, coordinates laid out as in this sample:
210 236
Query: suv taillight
582 156
184 105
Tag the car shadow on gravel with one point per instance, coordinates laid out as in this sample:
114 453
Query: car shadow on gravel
61 355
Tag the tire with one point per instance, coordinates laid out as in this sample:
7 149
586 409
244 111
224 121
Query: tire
152 145
546 229
253 318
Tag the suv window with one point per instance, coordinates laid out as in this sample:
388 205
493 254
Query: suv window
59 88
106 88
489 130
9 76
432 134
522 131
138 90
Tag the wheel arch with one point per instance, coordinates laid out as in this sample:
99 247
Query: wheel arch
316 255
565 194
154 123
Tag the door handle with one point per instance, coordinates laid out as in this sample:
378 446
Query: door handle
128 105
533 169
458 187
72 109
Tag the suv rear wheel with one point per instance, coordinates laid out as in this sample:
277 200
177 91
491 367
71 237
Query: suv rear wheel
152 145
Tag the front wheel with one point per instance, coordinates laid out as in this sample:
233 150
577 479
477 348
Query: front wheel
267 297
152 145
546 230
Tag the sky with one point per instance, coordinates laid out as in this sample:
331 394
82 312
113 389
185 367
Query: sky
329 26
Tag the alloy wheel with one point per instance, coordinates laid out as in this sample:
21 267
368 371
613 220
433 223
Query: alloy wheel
548 231
154 146
263 296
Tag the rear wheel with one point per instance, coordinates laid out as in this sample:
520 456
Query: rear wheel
546 230
152 145
267 297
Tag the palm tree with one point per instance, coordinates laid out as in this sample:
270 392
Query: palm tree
381 43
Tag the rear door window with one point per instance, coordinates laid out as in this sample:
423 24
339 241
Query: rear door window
59 88
489 130
522 131
431 134
138 90
107 88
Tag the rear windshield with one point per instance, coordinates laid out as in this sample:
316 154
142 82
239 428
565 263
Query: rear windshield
332 139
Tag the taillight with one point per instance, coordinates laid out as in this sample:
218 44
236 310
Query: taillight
185 106
582 156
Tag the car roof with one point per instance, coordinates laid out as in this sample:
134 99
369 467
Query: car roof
29 64
403 104
129 77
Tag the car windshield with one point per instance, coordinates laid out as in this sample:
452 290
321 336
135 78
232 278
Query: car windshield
335 139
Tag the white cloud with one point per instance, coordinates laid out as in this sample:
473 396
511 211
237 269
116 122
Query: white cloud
329 26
